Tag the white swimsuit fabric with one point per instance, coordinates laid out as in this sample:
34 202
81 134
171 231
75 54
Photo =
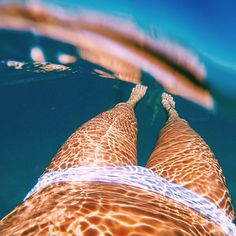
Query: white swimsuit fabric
140 177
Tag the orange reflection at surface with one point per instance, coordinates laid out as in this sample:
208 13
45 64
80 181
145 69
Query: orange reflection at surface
116 45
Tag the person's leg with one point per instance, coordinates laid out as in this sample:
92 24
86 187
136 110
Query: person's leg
181 156
109 139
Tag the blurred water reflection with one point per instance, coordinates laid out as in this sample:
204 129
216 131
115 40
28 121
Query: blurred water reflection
116 45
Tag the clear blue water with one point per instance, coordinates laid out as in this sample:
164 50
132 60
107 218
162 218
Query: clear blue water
40 110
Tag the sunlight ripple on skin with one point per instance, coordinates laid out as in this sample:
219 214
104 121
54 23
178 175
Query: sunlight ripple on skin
101 207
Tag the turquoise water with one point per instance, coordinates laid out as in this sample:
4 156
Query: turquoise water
40 110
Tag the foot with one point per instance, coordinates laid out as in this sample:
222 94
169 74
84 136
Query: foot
168 101
137 93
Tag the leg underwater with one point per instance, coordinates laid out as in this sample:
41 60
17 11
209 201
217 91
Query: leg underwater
91 208
181 156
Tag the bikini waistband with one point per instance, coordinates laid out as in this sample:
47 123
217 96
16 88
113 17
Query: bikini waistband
143 178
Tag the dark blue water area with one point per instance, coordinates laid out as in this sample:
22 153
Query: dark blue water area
40 110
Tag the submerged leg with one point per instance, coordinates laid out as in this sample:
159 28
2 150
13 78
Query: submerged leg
109 139
182 156
100 208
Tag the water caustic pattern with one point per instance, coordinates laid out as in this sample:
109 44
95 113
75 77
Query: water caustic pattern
182 156
117 45
109 139
112 208
140 177
109 209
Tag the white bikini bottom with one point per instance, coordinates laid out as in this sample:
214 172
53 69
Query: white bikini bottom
143 178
